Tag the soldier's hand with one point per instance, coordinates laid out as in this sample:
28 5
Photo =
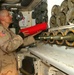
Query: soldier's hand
30 39
22 35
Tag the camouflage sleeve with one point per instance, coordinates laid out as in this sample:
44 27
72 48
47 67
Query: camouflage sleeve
12 44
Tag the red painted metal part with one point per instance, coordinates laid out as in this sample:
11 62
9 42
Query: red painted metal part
34 29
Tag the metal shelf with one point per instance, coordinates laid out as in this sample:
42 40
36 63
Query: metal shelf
61 27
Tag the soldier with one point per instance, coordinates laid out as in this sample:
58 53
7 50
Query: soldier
9 42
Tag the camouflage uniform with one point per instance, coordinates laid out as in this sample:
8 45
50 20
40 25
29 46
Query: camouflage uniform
9 42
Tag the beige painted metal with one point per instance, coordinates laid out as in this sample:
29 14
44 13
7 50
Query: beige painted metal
12 1
18 5
57 56
27 19
54 71
32 5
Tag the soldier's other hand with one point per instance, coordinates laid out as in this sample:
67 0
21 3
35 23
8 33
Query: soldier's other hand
22 35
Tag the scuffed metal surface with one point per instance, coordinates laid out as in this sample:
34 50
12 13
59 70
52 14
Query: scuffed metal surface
59 57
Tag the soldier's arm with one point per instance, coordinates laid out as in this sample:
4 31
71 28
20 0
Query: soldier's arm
12 44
